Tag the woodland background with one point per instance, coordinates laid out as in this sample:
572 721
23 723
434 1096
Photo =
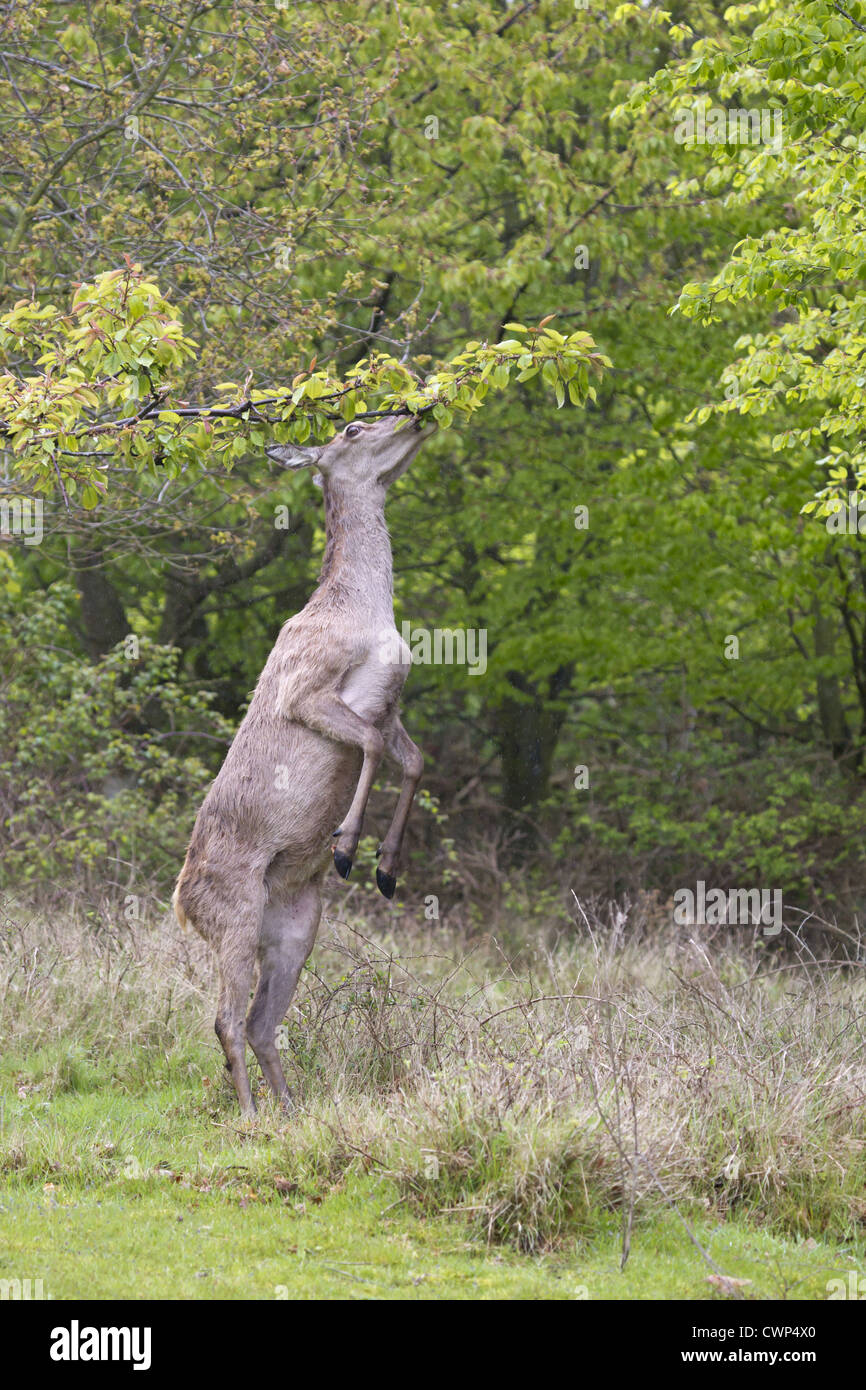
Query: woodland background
309 182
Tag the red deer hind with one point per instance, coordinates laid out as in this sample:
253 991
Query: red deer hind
324 711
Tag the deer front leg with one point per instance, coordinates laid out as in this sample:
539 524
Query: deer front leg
411 760
333 718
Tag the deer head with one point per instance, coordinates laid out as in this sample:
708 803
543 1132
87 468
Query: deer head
366 454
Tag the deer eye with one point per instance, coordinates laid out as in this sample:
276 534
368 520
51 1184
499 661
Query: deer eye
352 431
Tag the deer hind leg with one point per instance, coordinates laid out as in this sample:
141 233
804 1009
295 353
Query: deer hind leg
238 947
333 718
410 758
289 929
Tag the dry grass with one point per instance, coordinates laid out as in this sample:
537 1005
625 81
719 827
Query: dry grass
527 1088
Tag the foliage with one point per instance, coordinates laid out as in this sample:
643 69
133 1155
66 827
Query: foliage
727 815
96 795
359 203
107 382
804 65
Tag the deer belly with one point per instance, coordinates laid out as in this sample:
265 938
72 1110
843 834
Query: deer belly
373 689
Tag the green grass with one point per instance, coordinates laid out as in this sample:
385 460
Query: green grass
166 1243
467 1126
152 1196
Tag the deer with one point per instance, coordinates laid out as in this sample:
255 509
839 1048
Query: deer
324 713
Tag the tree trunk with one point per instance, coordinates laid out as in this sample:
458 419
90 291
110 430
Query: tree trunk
102 613
831 711
526 733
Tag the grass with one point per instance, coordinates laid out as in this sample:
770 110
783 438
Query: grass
475 1120
166 1242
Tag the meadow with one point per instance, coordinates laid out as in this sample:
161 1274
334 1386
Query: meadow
609 1111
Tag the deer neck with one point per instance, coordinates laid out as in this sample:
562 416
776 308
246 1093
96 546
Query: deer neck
357 568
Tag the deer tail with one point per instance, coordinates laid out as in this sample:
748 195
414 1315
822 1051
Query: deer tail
178 909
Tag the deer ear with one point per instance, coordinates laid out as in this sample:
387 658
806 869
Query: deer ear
294 455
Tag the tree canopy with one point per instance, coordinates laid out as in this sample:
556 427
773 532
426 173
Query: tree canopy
231 223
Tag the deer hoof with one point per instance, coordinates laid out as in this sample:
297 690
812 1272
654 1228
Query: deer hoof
342 863
386 883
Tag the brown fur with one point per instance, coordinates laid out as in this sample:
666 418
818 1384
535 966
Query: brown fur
324 711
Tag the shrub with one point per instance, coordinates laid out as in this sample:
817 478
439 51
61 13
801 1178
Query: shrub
102 764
